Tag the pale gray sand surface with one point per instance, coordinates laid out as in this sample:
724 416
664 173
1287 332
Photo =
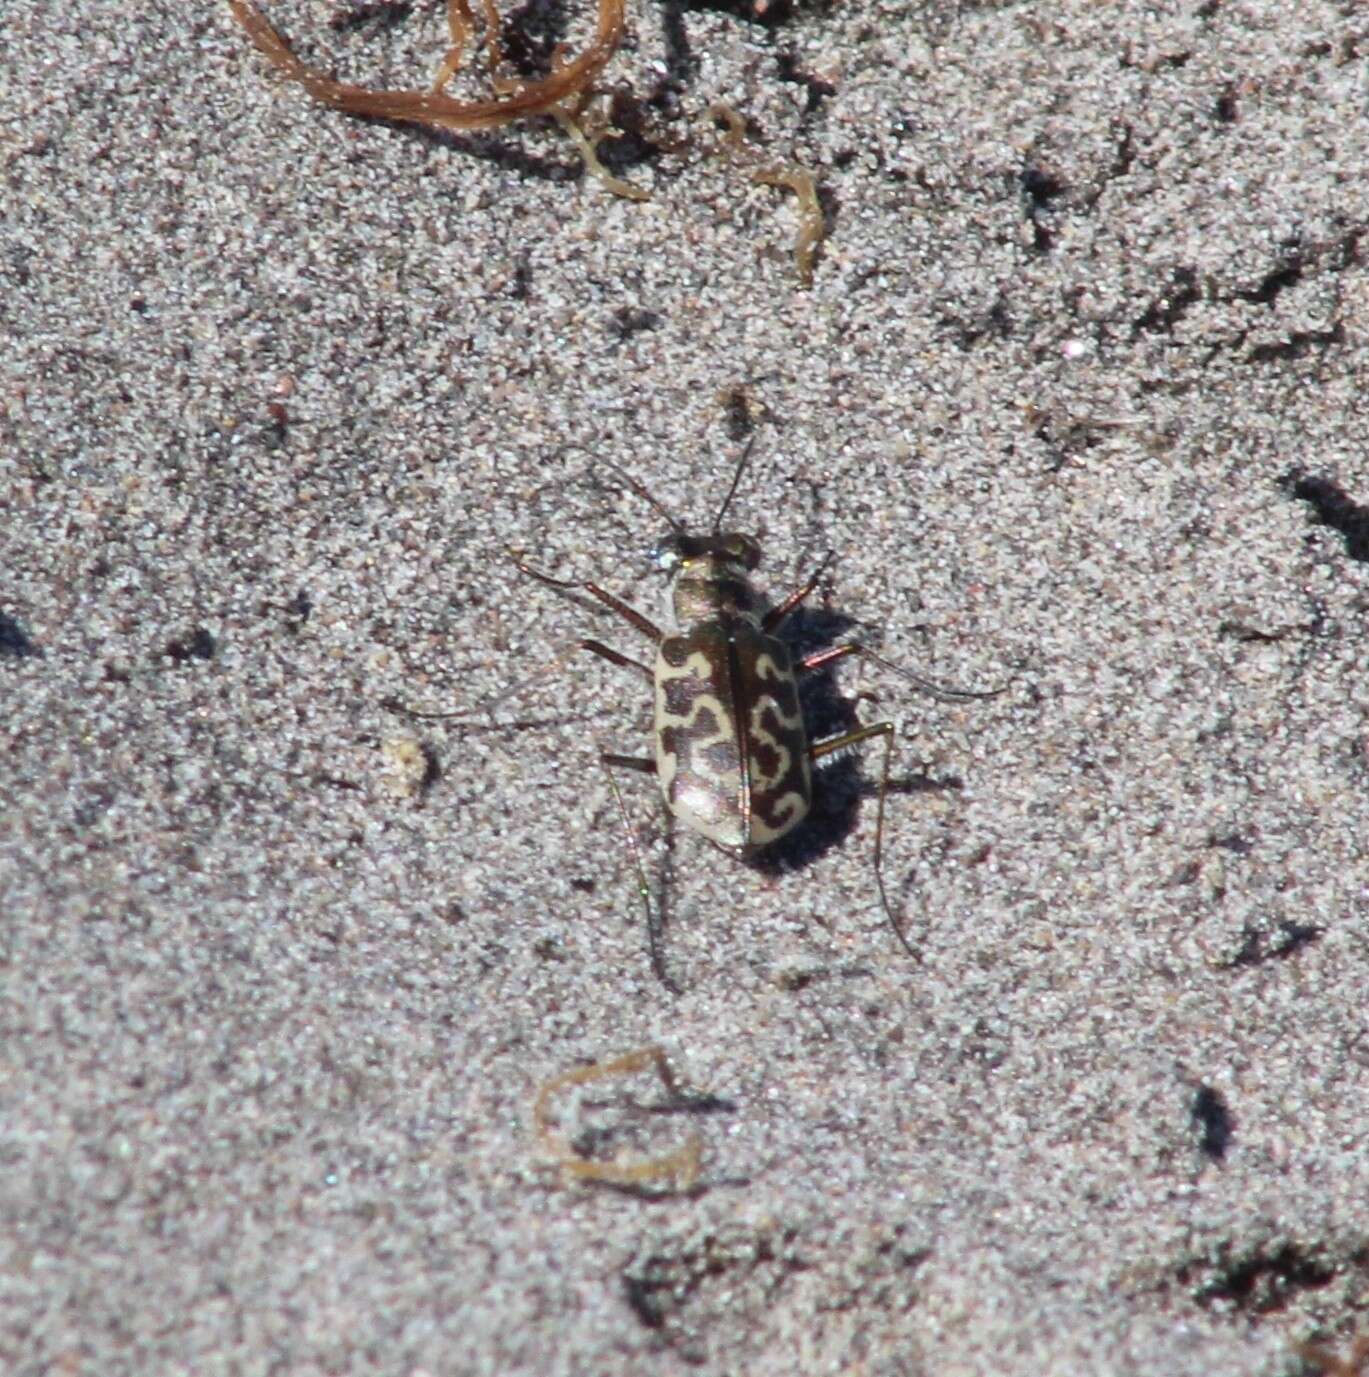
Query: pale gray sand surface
277 390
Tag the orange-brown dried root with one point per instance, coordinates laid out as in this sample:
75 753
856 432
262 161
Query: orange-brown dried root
434 107
812 224
460 27
679 1169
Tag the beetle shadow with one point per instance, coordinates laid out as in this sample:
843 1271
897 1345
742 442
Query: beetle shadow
841 783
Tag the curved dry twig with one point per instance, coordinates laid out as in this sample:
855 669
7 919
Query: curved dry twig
434 107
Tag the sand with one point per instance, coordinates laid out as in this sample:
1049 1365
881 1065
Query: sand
282 968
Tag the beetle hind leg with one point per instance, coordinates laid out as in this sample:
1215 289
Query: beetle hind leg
654 934
836 745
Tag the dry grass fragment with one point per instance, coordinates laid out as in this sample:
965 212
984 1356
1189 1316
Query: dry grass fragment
1331 1364
812 222
678 1169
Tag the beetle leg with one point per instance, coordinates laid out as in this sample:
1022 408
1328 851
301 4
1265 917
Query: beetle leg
843 742
628 613
781 610
466 714
605 652
641 766
827 655
831 653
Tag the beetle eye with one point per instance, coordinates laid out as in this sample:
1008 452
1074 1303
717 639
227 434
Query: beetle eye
665 554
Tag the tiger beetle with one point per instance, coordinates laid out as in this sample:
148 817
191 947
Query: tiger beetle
732 754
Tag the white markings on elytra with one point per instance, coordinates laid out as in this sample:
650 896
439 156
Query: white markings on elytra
788 808
695 795
708 794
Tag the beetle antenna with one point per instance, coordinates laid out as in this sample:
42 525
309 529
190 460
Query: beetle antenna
641 492
736 478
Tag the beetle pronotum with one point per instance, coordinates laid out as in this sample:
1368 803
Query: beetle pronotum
732 755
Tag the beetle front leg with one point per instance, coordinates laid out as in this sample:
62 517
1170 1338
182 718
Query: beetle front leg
598 648
615 604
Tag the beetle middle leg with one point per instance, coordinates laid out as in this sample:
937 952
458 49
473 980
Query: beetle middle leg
642 765
831 654
598 648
